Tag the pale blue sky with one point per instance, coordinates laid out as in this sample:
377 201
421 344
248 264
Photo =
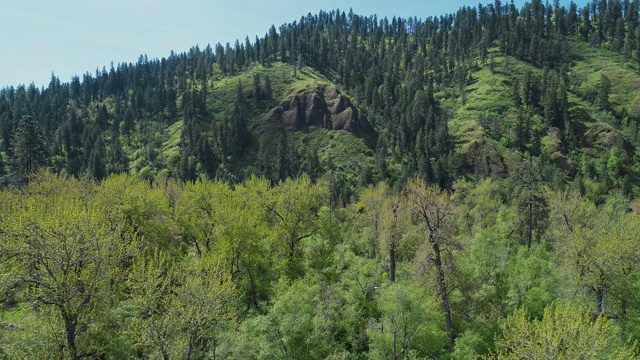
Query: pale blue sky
70 37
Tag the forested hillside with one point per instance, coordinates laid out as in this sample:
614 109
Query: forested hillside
467 94
452 187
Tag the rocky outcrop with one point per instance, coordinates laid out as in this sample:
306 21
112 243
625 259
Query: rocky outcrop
321 106
482 159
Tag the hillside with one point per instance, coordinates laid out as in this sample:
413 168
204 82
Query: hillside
423 102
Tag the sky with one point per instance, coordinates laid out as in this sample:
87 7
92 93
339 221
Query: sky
71 37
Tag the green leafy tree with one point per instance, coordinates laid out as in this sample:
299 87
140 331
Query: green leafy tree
65 258
310 319
371 206
203 306
198 212
183 306
394 221
240 232
596 245
293 208
565 332
433 209
152 281
137 213
410 325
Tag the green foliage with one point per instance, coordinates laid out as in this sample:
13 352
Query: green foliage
28 150
410 326
64 258
564 332
100 270
136 210
604 90
292 209
599 256
333 263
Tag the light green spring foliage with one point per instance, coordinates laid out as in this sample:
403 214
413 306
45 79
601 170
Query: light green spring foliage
370 211
478 205
598 248
59 246
183 307
411 324
125 269
198 211
565 332
140 211
153 283
293 208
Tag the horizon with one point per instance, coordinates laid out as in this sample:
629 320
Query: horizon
77 37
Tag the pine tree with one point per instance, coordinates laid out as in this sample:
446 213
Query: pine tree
96 167
102 118
118 161
128 125
257 88
620 34
2 171
29 151
532 207
187 171
172 108
515 93
629 43
586 28
208 158
282 165
522 130
312 162
267 92
572 19
604 89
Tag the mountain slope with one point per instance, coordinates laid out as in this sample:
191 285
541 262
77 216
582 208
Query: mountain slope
464 95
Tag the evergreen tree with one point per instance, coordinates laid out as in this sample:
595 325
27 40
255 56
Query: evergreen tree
267 92
312 162
208 158
522 130
257 88
187 171
96 167
102 118
629 43
604 89
531 203
572 19
28 150
620 34
586 27
118 161
515 93
2 171
282 165
128 125
172 109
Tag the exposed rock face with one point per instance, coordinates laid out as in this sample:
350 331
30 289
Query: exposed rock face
322 106
483 160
